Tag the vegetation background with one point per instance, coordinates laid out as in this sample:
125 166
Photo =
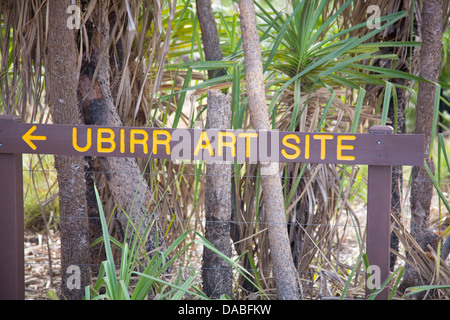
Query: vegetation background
328 66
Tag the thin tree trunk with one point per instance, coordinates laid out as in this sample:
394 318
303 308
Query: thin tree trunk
217 275
97 252
284 270
430 62
125 181
422 187
397 171
61 82
210 37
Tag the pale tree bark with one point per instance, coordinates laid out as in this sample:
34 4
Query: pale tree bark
124 178
284 270
61 85
217 274
422 187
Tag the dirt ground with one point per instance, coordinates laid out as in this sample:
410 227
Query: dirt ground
41 273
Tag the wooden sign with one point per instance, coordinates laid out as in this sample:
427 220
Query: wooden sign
380 150
212 145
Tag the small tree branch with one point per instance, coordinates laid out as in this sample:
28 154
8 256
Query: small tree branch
284 271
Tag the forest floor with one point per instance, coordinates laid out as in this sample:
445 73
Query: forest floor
43 264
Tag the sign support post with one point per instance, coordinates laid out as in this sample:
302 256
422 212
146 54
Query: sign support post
12 270
378 221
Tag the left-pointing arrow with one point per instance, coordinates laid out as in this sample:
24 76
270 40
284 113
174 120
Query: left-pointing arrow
27 137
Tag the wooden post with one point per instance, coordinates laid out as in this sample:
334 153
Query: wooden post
12 272
378 221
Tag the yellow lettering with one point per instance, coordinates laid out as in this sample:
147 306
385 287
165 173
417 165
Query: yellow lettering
143 141
75 142
165 142
122 141
231 144
341 147
323 138
291 146
101 139
307 146
207 145
248 136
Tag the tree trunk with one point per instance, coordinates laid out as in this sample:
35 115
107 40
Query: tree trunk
217 274
397 171
61 82
210 37
430 61
97 252
125 181
422 187
284 270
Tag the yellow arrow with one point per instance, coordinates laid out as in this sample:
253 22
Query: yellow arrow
27 137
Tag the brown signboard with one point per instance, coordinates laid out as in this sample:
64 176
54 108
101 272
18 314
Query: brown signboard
212 145
380 149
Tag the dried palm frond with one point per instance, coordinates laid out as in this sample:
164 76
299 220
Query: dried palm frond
22 54
136 59
431 269
405 30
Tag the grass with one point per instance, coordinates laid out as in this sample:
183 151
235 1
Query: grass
41 206
155 269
